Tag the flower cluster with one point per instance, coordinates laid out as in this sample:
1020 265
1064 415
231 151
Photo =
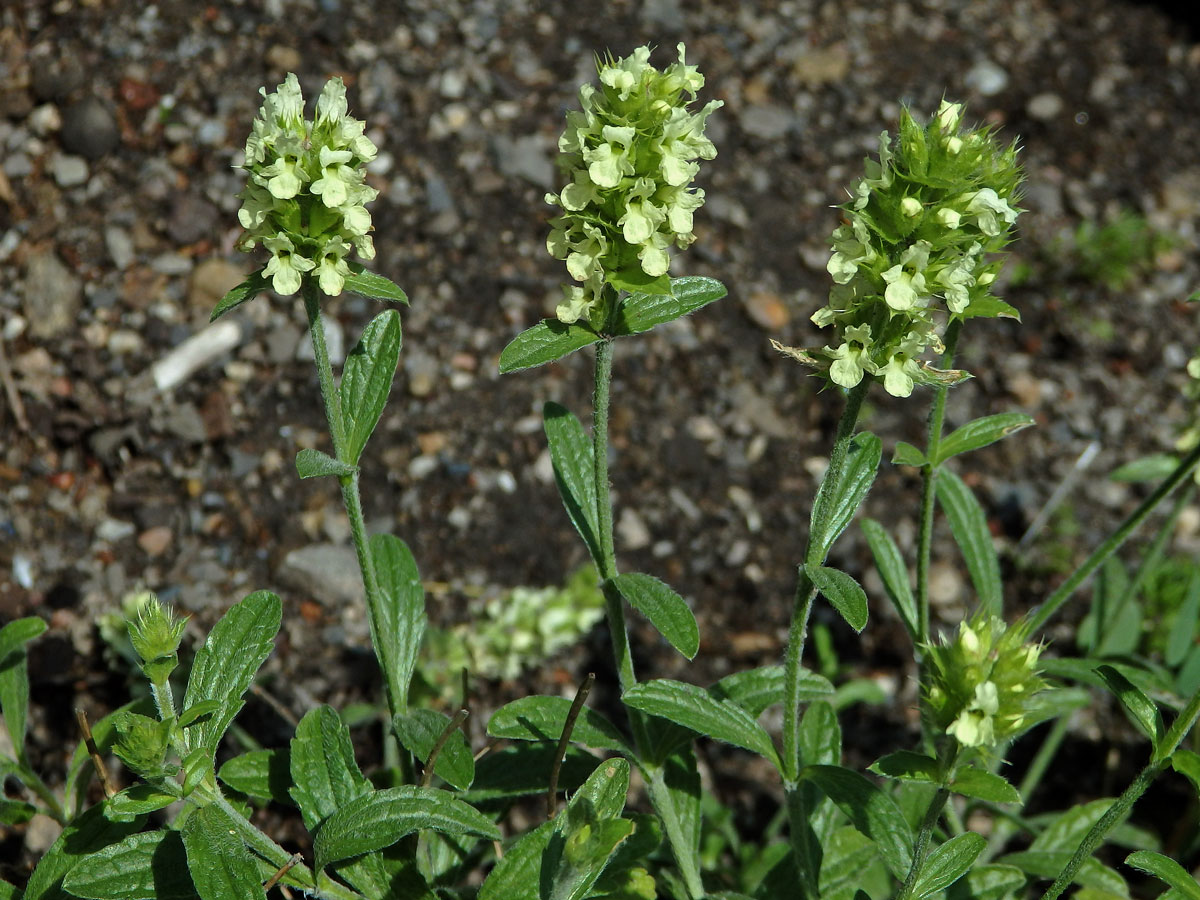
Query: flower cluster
921 233
630 154
981 682
305 201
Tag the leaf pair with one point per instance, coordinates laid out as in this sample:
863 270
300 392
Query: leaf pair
358 281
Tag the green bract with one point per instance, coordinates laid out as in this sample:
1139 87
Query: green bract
981 681
306 200
918 245
630 155
155 634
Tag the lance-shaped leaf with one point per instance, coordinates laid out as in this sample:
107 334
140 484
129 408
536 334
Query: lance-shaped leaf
325 776
695 708
1166 870
666 610
16 812
1154 467
835 504
908 766
14 677
843 593
221 866
243 293
419 731
980 433
572 456
1140 708
870 810
367 381
262 774
893 572
545 342
137 800
524 769
1185 625
642 311
87 834
380 818
754 690
675 793
373 286
906 454
972 782
993 882
543 719
397 635
224 667
148 866
969 526
315 464
947 863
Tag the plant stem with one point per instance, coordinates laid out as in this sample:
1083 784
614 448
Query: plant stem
947 755
1055 601
937 416
34 784
1159 762
395 689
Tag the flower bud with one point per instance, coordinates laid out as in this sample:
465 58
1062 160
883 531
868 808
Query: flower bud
155 635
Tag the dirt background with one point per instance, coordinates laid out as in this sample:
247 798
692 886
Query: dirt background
121 124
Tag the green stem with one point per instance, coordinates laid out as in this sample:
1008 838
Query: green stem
34 784
1159 762
329 392
1056 600
946 760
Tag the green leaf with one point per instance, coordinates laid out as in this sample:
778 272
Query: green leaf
836 504
148 866
545 342
247 290
1048 864
16 812
893 572
992 882
9 891
396 636
367 381
380 818
990 307
104 733
192 713
374 287
908 766
1166 870
524 769
1183 627
870 810
642 311
325 776
517 874
906 454
262 774
84 836
697 709
981 785
843 593
418 732
980 433
754 690
578 854
224 667
1140 708
666 610
137 800
947 863
820 735
1187 764
969 526
675 794
1154 467
1068 829
315 464
220 865
17 633
542 719
572 456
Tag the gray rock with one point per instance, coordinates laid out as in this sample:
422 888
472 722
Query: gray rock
986 77
768 123
120 246
192 218
89 129
335 342
1044 106
525 157
69 171
326 572
53 295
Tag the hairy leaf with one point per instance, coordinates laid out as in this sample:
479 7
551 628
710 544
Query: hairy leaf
1166 870
843 593
244 292
754 690
980 433
373 286
870 810
972 782
221 866
545 342
367 381
642 311
542 719
947 863
969 526
396 636
573 459
893 572
325 776
906 454
836 504
315 464
151 865
419 731
262 774
87 834
666 610
1140 708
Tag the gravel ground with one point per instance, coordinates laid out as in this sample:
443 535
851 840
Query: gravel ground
121 125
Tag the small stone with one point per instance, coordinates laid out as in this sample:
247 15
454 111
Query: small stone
766 309
327 573
632 530
113 530
422 370
53 295
211 280
422 466
89 129
945 584
1044 106
1027 389
45 120
124 341
155 541
120 246
69 171
192 219
768 122
431 442
284 58
986 77
525 157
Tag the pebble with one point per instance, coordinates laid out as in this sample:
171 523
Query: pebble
120 246
45 120
768 122
53 295
89 129
69 171
155 541
422 370
632 530
986 77
335 342
124 341
284 58
192 219
525 157
945 584
422 466
1044 106
211 280
328 573
766 309
113 530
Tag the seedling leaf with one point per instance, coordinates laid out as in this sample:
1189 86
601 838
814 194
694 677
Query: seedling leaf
572 456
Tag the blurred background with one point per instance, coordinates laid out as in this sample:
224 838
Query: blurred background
122 126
